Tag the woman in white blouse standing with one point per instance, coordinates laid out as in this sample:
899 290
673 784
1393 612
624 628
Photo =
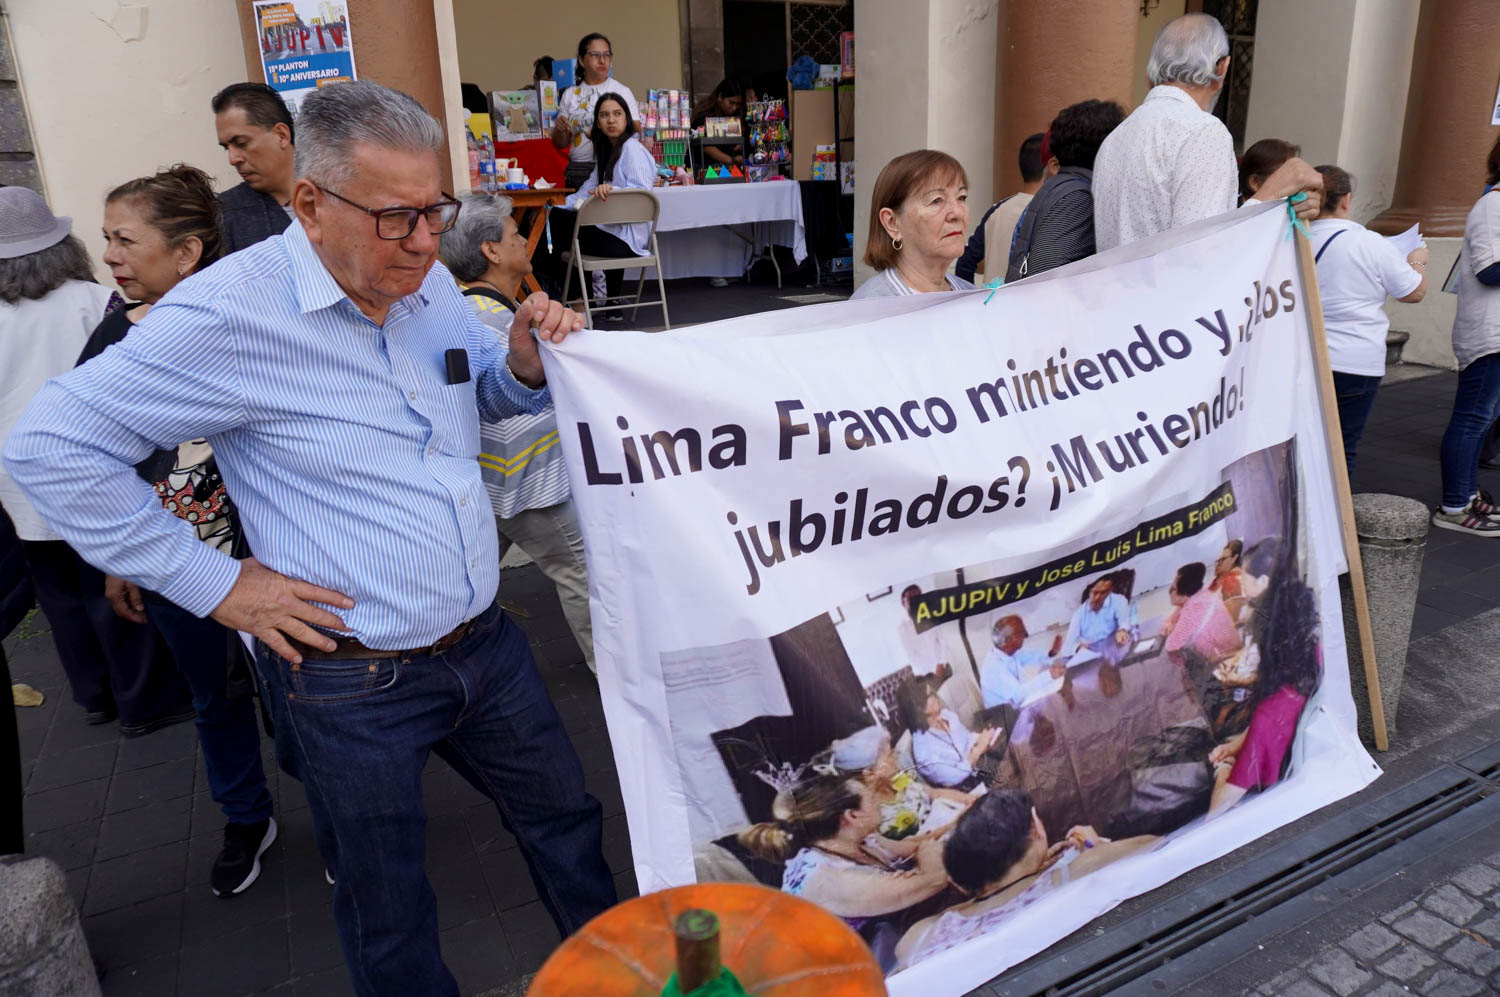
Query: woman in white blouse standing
577 105
1357 270
620 163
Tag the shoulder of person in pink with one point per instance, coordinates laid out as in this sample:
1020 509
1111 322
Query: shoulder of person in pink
1272 726
1204 624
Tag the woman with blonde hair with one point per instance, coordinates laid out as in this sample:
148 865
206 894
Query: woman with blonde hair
818 832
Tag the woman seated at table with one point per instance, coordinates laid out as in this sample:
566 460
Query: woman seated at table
946 752
620 163
999 856
727 101
1288 674
1199 621
919 218
906 801
818 832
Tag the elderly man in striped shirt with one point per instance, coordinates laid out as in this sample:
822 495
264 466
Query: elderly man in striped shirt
340 377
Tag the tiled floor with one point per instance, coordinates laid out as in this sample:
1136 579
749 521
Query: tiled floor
132 823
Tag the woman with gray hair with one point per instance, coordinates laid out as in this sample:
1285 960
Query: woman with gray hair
49 303
519 459
1172 163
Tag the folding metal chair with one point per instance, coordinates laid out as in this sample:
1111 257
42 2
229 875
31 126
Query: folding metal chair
623 207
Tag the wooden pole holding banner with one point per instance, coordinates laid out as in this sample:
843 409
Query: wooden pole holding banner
1308 271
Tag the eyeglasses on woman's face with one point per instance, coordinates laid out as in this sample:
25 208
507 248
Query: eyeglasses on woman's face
599 54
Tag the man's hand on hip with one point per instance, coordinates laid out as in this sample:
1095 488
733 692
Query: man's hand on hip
552 320
273 607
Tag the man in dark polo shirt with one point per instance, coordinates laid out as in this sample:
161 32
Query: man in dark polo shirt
255 128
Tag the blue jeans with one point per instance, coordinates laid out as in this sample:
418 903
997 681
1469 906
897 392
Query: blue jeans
1355 394
226 722
1475 406
358 734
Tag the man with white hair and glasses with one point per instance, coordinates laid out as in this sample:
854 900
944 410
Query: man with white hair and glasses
342 399
1172 163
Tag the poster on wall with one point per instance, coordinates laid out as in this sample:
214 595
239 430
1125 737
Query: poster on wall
970 616
304 44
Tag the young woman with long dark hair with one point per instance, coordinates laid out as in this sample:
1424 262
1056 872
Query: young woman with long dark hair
620 163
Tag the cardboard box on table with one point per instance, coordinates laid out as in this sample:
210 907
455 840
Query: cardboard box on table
812 126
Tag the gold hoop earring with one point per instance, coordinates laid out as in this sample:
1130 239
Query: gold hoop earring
896 245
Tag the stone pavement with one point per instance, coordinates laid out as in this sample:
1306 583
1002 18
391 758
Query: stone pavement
1445 942
132 823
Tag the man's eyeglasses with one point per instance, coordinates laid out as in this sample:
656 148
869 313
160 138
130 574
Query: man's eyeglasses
600 55
396 224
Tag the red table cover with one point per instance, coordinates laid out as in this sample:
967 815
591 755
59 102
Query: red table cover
538 156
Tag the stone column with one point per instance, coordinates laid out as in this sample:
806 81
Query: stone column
1448 134
42 948
1050 55
395 44
1392 540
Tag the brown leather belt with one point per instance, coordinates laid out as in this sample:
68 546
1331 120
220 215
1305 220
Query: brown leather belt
349 648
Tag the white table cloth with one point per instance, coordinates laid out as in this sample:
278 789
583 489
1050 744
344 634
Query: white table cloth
703 230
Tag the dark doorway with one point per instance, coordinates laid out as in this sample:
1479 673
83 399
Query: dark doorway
755 45
1238 18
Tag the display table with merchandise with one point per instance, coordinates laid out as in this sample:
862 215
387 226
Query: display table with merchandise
715 231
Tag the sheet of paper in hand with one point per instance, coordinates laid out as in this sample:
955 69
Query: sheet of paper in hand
820 540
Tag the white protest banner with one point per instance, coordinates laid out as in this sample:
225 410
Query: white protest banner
970 619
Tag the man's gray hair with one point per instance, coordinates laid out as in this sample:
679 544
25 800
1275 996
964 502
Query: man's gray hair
335 118
480 220
1187 51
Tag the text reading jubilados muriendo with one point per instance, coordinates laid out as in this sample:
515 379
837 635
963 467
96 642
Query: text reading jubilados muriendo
807 431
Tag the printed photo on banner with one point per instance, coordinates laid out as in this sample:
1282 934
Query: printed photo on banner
935 756
304 44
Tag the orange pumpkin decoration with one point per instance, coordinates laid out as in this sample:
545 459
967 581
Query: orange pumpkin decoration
776 944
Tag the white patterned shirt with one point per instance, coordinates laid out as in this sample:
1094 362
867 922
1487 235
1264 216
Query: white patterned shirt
576 109
1169 164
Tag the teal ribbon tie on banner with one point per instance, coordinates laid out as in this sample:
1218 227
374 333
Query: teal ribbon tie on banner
1291 211
993 285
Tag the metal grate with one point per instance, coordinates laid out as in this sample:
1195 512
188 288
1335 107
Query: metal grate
815 29
1238 18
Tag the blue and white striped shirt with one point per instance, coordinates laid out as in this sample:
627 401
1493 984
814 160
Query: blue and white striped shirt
350 458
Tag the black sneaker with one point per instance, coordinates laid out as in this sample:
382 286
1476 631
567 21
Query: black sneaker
238 864
96 717
151 726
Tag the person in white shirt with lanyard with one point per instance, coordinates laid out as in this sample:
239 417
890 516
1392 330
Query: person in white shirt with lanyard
1357 270
576 104
1171 163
